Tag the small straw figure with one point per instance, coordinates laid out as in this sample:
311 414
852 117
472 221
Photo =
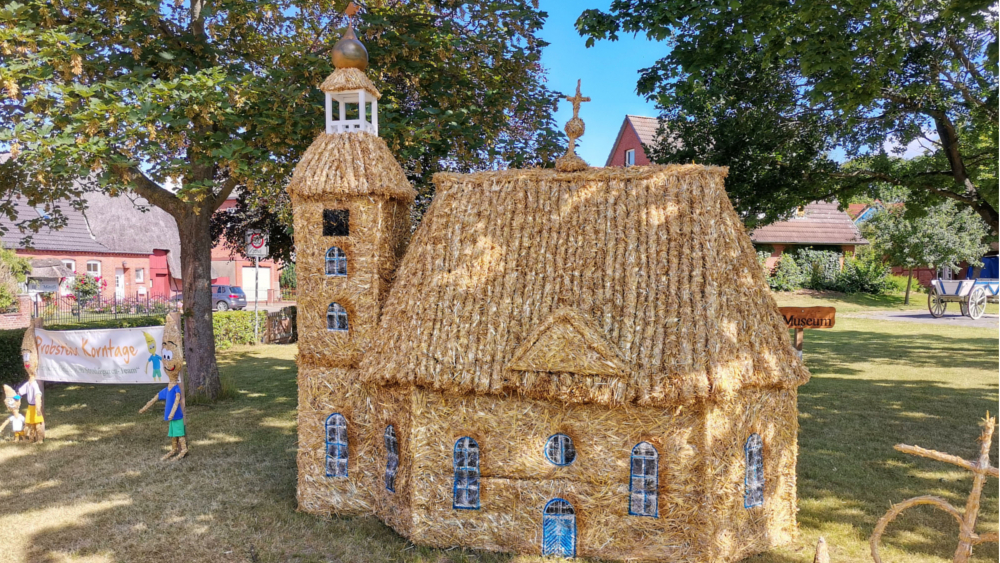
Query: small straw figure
30 390
173 394
16 420
981 468
571 162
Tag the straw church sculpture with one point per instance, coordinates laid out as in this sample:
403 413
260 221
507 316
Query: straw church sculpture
572 362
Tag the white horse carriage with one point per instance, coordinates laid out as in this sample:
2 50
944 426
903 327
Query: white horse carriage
971 295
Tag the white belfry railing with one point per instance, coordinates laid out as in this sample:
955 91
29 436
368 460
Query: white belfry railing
344 125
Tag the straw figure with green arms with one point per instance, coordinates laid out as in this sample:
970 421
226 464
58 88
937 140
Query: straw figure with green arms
173 361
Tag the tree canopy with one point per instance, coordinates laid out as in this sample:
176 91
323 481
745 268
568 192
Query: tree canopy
222 96
887 73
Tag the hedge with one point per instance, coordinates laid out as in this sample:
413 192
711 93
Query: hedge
236 327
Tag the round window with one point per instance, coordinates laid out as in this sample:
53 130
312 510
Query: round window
559 450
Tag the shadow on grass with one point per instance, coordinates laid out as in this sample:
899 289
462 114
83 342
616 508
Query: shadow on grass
837 352
97 491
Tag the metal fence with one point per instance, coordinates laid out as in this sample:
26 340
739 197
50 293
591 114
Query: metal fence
68 309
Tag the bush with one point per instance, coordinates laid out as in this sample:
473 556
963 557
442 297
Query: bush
820 268
11 369
236 327
152 320
787 276
86 287
762 257
864 273
897 284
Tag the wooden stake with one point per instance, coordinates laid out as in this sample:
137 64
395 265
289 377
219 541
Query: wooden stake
800 336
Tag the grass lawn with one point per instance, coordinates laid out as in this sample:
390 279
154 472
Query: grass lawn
97 492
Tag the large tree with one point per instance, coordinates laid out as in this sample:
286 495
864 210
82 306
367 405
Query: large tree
747 116
893 72
222 96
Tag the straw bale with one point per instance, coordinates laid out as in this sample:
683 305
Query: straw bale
379 230
654 258
517 479
740 532
357 163
344 79
322 392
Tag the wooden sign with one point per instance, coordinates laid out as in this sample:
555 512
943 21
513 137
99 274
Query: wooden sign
809 317
801 318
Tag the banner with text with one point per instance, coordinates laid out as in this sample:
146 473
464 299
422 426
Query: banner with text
118 355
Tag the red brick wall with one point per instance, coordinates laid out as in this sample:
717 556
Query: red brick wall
20 319
220 253
629 140
109 263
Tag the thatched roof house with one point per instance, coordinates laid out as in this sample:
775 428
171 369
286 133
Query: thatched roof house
559 363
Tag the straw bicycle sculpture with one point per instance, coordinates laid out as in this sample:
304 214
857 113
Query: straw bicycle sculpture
967 520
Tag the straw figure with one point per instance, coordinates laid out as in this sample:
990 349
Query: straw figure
173 395
30 390
12 401
561 363
981 468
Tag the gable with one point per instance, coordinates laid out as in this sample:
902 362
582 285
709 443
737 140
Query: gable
567 342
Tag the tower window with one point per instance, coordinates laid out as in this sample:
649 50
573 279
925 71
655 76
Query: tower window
336 262
466 474
630 157
336 222
336 446
754 480
559 450
336 318
391 458
643 483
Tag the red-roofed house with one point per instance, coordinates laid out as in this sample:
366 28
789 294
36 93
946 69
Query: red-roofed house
818 224
635 132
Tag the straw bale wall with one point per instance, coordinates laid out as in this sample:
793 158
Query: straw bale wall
379 230
517 480
739 532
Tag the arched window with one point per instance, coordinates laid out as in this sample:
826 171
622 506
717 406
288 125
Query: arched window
753 482
336 318
391 458
558 529
559 449
643 483
336 262
336 446
466 474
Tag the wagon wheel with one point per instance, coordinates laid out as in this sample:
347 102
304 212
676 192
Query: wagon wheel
936 305
977 303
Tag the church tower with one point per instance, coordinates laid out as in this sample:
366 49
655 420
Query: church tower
351 204
351 207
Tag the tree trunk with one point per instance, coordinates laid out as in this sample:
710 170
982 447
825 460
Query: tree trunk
196 271
909 280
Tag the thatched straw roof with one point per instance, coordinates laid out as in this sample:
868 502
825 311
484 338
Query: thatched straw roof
616 285
344 79
349 164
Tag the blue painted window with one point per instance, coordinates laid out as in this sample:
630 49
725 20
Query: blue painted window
466 474
336 262
391 458
643 481
753 494
559 449
336 446
558 529
336 318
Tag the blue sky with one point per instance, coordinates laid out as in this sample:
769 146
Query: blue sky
609 71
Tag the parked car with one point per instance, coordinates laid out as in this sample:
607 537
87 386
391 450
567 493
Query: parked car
226 297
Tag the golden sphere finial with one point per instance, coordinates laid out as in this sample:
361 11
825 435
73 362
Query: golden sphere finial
349 52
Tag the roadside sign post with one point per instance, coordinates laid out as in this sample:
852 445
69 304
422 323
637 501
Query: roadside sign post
801 318
256 248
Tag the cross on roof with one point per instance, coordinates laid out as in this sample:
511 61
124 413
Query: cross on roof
576 100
